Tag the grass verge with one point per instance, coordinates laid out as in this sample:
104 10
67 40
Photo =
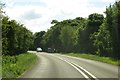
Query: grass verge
95 57
0 66
13 66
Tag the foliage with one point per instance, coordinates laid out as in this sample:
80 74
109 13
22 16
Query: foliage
37 40
102 41
95 34
51 38
54 22
14 66
84 44
108 37
62 36
67 38
16 38
94 21
1 10
113 25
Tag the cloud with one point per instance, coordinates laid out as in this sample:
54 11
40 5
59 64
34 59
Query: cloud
108 1
30 15
38 14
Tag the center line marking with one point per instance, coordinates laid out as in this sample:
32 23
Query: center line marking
80 71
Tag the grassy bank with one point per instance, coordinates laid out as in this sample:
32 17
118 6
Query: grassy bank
95 57
13 66
0 66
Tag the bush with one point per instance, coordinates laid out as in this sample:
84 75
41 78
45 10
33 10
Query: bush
13 66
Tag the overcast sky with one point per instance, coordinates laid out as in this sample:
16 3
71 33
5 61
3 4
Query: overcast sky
37 15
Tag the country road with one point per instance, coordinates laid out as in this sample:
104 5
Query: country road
61 66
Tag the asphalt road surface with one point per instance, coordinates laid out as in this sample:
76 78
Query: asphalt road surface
61 66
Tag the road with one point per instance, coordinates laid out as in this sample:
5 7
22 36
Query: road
61 66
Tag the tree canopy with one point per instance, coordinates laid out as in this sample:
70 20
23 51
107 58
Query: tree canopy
96 34
16 38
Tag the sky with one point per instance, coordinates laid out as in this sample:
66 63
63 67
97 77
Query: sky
37 15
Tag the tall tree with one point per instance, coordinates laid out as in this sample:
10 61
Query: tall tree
113 22
16 38
102 41
83 33
67 38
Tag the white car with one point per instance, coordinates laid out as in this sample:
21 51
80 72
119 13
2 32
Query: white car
39 49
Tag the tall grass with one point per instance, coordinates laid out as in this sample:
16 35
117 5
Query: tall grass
0 66
13 66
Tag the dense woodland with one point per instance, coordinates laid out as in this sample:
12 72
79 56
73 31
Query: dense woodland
96 34
16 38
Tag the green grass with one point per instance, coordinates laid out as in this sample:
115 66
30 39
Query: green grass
0 66
95 57
14 66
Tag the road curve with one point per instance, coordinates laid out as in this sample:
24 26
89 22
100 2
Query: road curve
49 66
61 66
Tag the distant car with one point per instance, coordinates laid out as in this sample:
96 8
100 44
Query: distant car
39 50
51 50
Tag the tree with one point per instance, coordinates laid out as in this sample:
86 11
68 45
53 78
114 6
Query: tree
16 39
51 38
37 39
67 38
102 41
1 10
54 22
91 25
113 23
1 16
94 22
95 34
107 38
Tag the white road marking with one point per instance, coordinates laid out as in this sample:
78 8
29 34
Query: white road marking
85 71
76 69
80 70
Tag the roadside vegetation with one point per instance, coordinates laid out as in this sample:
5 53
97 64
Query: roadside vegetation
95 57
0 66
16 41
97 34
14 66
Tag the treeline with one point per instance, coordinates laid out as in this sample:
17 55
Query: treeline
73 35
95 34
16 39
37 38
